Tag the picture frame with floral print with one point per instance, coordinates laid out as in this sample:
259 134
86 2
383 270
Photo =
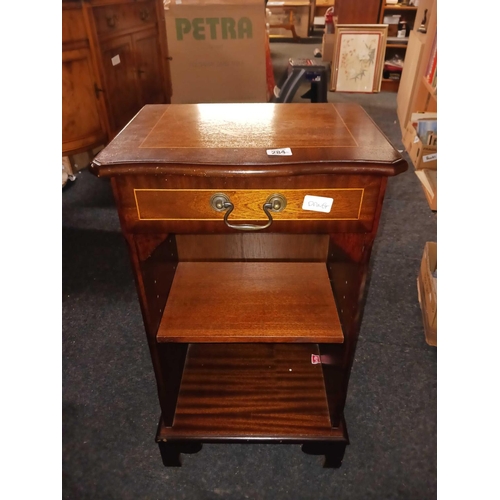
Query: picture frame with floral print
358 57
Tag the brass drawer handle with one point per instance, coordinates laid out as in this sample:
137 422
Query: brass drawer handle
275 203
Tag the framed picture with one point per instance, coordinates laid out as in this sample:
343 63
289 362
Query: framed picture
358 57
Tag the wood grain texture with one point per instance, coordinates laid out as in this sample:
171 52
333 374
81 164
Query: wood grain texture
250 302
357 11
122 94
73 25
247 247
83 111
154 259
256 125
166 204
82 125
130 30
194 193
148 66
250 309
184 138
253 392
113 18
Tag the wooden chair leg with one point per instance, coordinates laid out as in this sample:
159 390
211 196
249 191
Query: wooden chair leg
294 33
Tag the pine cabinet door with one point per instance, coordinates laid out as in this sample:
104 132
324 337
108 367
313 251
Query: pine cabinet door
149 71
357 11
120 74
82 123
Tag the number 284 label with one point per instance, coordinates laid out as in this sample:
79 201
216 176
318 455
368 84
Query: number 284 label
279 152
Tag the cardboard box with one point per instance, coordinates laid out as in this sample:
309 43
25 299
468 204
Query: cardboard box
392 24
327 47
421 155
427 292
428 180
217 50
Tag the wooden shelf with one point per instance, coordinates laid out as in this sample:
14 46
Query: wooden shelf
396 39
250 302
251 392
399 7
395 44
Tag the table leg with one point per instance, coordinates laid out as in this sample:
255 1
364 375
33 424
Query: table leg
333 452
171 452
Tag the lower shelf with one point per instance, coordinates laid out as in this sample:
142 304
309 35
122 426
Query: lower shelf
252 392
251 302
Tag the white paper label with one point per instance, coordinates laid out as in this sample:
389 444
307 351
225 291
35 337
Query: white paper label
416 139
279 152
430 157
317 204
115 60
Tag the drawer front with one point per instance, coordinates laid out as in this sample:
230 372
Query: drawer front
117 18
310 204
301 204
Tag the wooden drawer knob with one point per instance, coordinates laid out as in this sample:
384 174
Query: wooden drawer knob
111 21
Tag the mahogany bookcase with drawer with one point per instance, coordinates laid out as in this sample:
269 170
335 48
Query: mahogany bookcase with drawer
250 228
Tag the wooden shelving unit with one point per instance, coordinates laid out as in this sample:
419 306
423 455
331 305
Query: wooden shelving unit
251 286
318 18
415 94
114 61
396 46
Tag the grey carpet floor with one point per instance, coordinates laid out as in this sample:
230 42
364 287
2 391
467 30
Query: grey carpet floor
110 409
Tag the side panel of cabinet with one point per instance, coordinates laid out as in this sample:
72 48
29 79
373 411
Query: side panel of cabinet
148 63
165 61
73 25
413 95
82 125
120 74
409 79
357 11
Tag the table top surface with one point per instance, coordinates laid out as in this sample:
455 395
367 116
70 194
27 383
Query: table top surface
242 135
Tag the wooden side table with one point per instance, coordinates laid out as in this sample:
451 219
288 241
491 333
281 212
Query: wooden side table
250 228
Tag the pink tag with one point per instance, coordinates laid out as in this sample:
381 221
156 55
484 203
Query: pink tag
315 359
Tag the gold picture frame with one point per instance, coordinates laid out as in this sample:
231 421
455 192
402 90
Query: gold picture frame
358 57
